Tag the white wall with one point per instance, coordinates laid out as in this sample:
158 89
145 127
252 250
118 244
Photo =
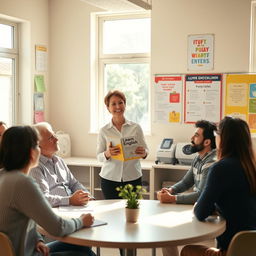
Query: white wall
32 16
70 72
68 78
172 21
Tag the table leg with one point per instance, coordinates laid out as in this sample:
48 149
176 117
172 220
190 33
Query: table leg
98 251
153 251
130 252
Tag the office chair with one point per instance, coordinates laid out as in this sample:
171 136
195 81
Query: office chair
6 247
243 244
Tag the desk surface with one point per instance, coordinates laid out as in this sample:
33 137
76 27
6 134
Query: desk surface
145 164
159 225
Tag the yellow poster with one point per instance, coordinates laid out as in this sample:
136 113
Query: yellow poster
241 98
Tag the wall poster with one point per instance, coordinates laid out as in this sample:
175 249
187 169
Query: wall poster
241 98
41 58
168 98
200 52
203 97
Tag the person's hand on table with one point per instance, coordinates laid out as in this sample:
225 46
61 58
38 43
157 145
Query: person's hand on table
170 190
164 196
80 197
42 248
87 219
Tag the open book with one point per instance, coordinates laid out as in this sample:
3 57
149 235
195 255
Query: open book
127 146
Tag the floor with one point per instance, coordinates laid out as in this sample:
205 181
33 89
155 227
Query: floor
143 252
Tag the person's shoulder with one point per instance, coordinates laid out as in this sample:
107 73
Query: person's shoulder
105 127
225 165
131 123
211 156
20 178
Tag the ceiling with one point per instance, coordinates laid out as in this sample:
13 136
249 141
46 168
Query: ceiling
120 5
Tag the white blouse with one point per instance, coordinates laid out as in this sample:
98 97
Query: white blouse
116 170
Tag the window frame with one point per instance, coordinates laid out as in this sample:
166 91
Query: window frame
12 54
99 60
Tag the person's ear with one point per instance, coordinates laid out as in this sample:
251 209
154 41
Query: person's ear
32 155
207 142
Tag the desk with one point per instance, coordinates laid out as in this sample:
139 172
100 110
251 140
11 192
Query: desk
159 225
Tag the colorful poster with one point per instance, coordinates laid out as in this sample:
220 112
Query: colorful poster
200 52
168 98
241 98
203 97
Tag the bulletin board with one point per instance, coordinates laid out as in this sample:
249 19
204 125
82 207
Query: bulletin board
168 98
241 98
202 97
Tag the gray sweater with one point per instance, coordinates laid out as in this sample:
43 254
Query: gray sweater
22 205
195 177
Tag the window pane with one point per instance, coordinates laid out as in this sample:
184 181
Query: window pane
7 90
6 36
126 36
133 81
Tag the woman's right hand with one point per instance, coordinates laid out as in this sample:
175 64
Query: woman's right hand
112 150
87 219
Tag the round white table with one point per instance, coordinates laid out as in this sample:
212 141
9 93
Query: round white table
159 225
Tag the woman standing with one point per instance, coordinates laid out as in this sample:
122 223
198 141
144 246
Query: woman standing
230 188
115 172
23 204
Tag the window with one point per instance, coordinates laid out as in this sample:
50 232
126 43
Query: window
122 62
8 71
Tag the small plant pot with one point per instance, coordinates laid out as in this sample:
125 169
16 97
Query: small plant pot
132 215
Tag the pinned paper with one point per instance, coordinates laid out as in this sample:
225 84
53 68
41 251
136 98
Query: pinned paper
39 83
39 116
39 101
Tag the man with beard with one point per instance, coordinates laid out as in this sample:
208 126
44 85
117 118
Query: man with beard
203 142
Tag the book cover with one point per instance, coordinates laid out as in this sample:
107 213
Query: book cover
127 147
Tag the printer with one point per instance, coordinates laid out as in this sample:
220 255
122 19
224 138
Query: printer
183 159
166 152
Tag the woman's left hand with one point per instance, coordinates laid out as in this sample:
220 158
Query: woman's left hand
141 151
43 248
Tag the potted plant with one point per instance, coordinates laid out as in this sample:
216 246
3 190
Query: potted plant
132 204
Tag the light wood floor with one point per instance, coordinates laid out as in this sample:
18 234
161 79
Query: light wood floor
143 252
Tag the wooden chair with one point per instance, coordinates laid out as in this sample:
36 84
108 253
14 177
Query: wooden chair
6 248
243 244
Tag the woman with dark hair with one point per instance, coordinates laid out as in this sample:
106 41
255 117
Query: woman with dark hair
23 204
230 187
114 172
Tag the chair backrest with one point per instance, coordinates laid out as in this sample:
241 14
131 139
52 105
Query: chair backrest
243 244
6 248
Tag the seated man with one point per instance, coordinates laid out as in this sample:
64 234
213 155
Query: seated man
203 142
3 127
52 174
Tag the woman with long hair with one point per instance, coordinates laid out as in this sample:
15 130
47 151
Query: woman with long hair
230 187
23 204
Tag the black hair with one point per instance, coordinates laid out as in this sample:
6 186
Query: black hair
16 145
208 130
